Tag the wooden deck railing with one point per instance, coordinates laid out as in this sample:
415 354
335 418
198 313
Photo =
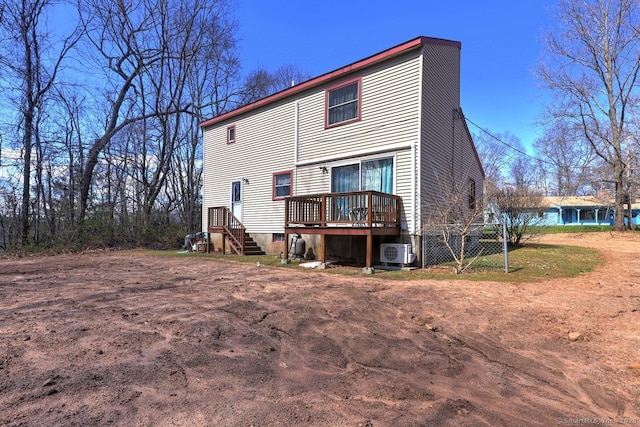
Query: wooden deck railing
353 209
221 218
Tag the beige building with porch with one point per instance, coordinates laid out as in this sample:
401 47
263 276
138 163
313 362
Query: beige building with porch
366 149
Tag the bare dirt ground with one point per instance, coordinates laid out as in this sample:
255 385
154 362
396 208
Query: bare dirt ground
121 338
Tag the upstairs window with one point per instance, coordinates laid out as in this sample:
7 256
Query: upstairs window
282 184
231 134
343 103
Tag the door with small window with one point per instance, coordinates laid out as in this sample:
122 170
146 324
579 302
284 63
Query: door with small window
236 198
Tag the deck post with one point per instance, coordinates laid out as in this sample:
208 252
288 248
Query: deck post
369 209
363 214
323 211
323 248
285 259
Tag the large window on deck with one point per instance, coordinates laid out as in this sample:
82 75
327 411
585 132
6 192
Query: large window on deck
376 175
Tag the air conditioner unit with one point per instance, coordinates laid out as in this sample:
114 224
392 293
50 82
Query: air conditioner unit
398 253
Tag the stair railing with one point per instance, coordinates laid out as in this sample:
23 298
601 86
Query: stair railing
221 217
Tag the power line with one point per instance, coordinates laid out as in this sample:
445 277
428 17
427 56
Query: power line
524 153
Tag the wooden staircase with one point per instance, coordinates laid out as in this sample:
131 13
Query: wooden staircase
222 220
250 246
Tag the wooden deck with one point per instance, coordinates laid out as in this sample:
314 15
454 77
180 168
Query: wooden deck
360 213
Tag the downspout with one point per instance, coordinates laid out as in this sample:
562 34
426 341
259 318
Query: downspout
296 125
413 188
416 150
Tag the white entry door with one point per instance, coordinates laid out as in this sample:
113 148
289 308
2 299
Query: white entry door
236 199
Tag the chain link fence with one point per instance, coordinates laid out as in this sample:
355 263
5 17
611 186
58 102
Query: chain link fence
479 247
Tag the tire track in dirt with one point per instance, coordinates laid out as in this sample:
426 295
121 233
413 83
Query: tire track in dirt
143 340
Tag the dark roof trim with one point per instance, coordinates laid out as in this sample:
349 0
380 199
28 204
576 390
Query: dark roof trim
473 145
333 75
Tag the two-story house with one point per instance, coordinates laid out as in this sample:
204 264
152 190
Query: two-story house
348 160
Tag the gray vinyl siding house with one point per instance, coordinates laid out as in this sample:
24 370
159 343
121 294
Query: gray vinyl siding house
395 115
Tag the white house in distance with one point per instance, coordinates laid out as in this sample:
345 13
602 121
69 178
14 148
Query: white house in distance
349 160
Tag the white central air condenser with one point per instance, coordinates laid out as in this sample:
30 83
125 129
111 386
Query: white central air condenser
398 253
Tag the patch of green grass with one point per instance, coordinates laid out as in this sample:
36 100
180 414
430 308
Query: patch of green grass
555 229
529 263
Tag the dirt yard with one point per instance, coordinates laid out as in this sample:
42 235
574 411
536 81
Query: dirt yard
120 338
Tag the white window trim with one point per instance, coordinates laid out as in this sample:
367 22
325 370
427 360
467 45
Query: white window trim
394 159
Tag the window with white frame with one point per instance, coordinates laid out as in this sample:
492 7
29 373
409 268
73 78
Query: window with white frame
343 103
282 184
376 175
231 134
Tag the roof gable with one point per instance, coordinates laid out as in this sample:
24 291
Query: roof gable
333 75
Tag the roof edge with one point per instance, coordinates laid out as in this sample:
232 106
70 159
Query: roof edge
333 75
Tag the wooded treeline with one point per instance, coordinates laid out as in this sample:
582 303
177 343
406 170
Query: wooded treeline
99 136
99 132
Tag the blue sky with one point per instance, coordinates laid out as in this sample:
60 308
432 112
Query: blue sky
500 46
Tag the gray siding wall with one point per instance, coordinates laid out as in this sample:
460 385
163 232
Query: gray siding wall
447 156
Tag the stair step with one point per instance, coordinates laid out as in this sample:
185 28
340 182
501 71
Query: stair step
250 246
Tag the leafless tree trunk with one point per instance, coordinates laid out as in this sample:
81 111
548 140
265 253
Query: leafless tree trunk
70 127
592 66
151 45
23 54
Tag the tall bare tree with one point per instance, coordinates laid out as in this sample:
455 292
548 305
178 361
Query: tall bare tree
140 42
592 65
26 45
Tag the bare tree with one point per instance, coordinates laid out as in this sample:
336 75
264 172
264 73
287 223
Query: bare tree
131 39
113 147
520 207
69 123
497 152
592 65
261 83
26 45
569 161
455 218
